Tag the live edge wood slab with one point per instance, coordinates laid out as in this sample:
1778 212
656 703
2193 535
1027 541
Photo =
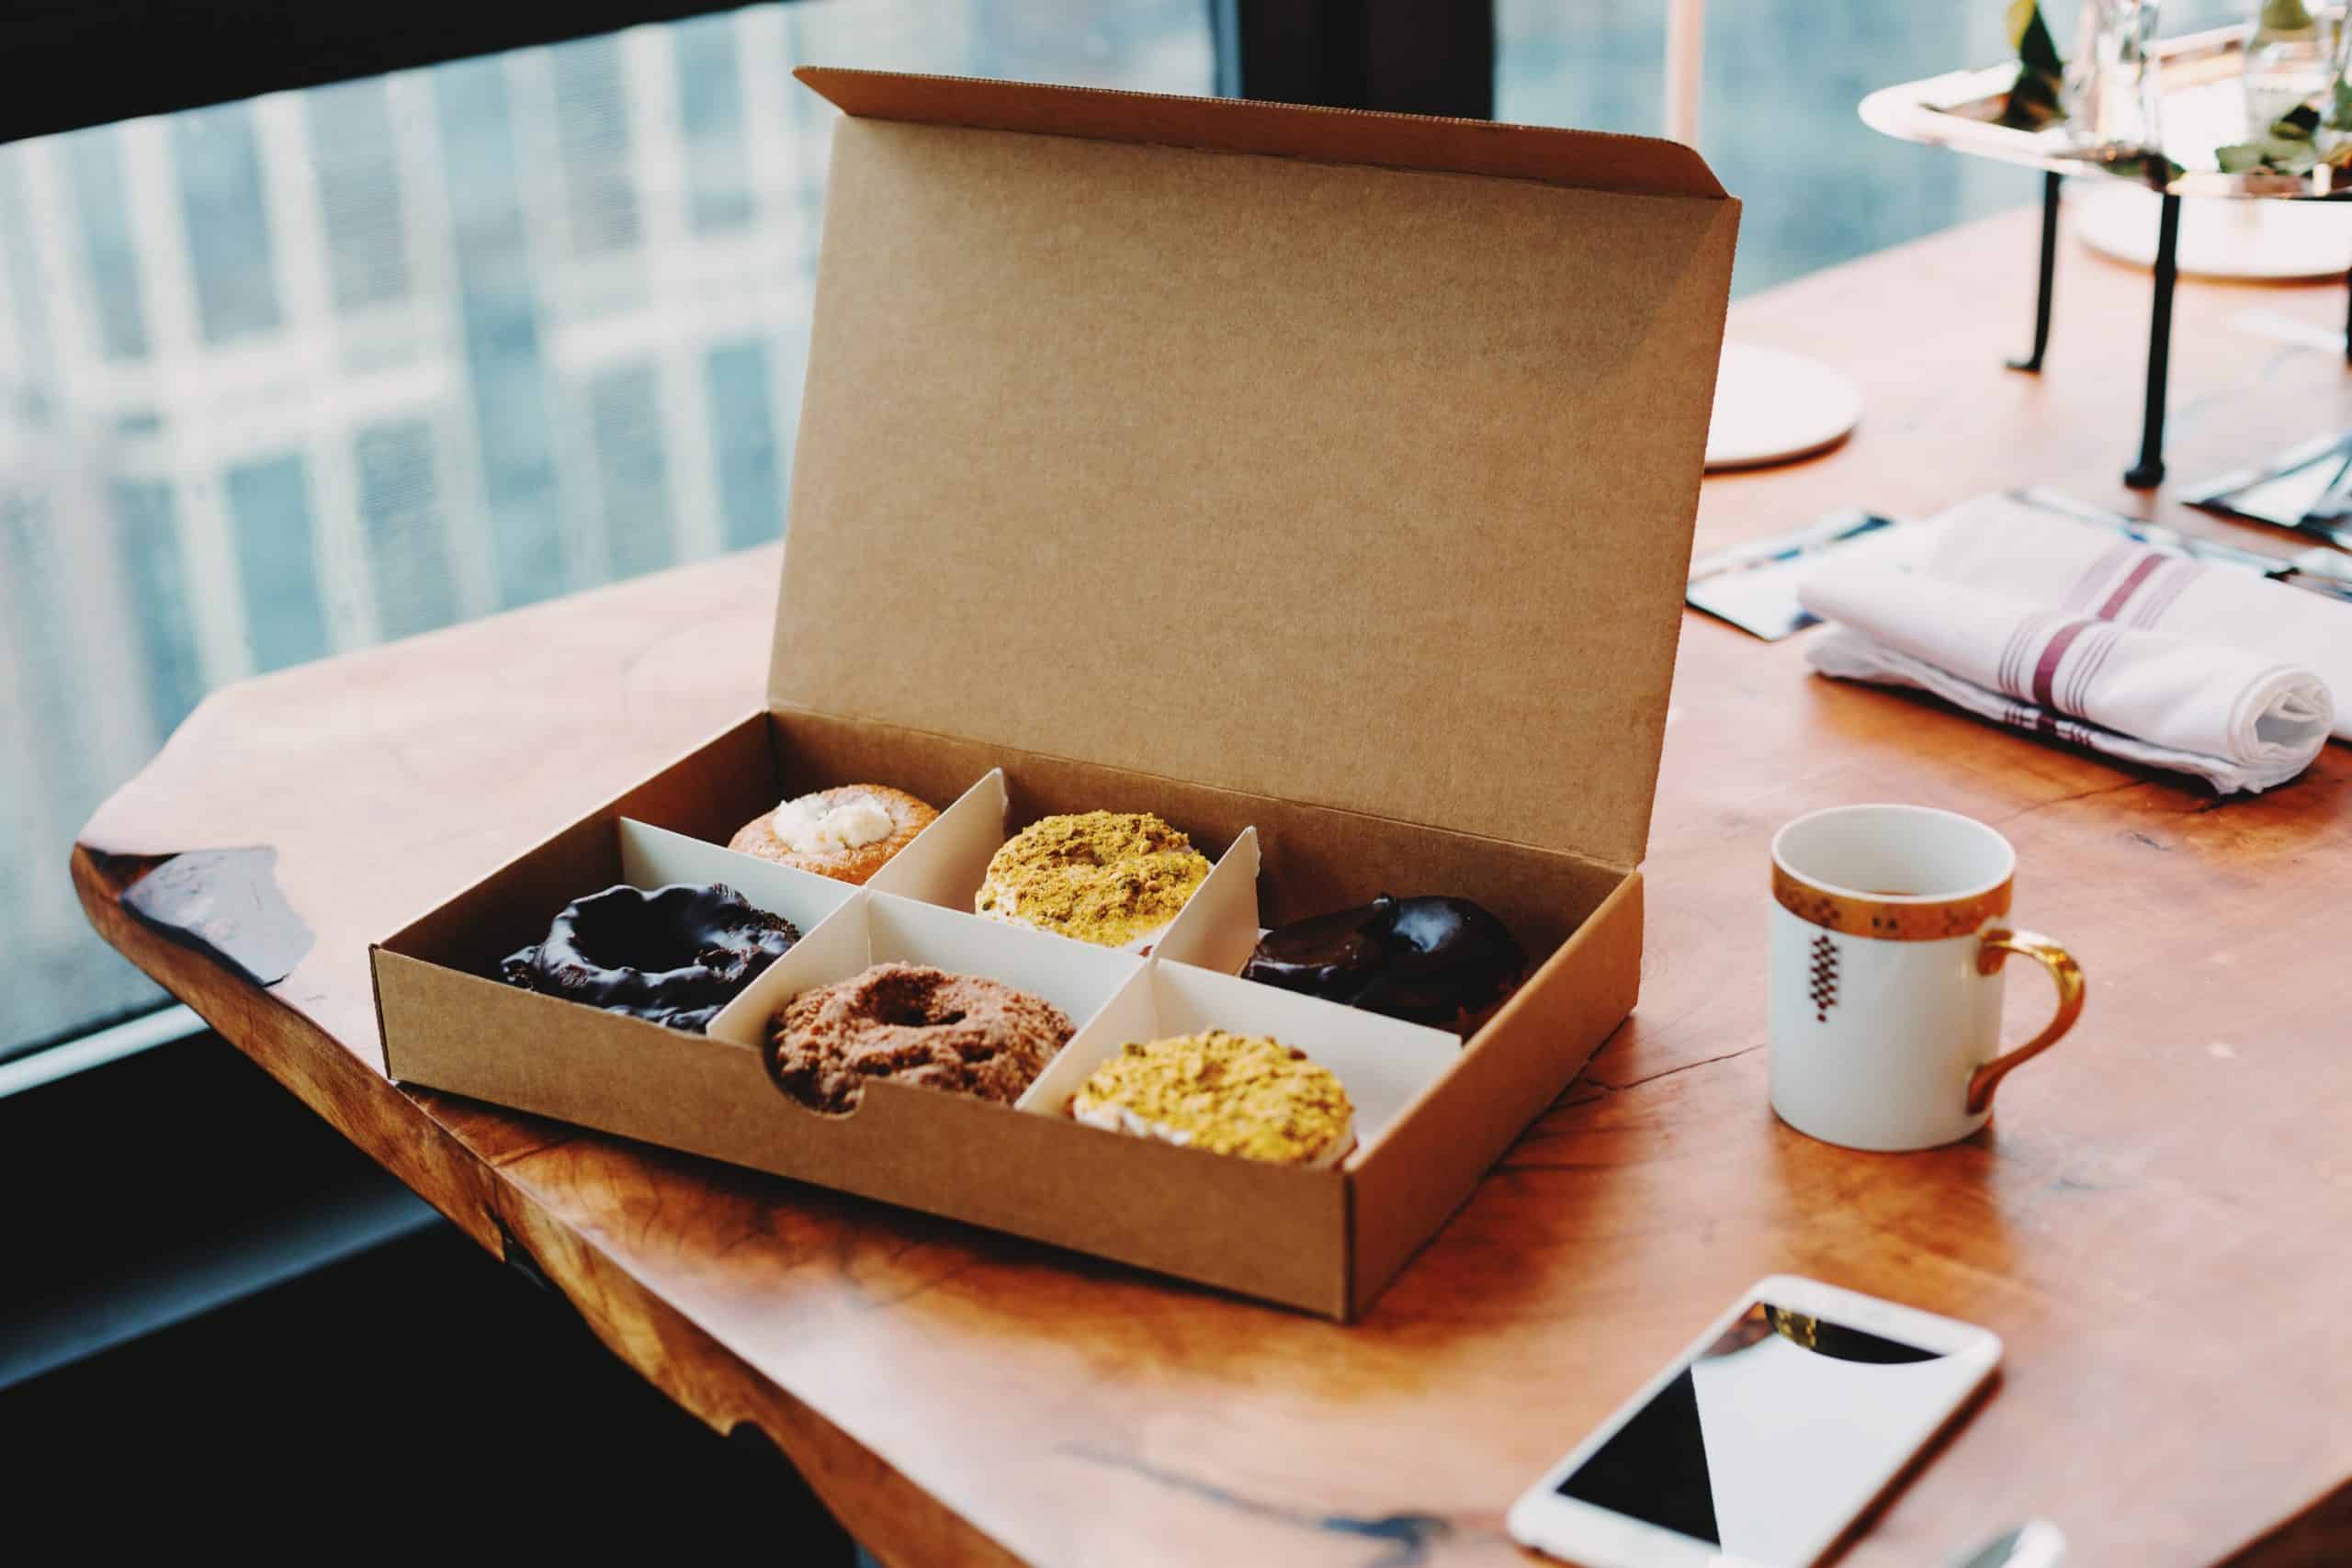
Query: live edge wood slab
2157 1220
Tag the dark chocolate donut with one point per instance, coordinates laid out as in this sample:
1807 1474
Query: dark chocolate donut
676 956
1442 962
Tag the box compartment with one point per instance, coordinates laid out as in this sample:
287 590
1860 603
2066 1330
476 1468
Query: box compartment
1384 1064
879 928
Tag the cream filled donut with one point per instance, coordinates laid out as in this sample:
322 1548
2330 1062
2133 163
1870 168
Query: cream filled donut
1231 1094
1113 878
847 833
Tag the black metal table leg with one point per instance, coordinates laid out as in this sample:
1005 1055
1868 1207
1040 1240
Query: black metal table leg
2031 363
2149 472
2348 318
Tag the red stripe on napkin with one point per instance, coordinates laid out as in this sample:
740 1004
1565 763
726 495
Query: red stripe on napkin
2152 609
2140 573
2045 669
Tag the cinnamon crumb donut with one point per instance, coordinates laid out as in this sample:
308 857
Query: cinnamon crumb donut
847 833
965 1033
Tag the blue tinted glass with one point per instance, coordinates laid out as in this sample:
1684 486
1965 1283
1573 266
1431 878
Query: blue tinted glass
498 307
155 570
625 420
710 118
277 561
92 167
360 204
401 510
592 130
227 218
743 429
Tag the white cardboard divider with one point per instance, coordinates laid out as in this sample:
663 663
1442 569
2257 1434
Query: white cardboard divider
1383 1063
834 951
655 857
1217 927
947 860
881 928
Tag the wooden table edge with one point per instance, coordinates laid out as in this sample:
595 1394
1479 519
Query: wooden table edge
887 1514
890 1516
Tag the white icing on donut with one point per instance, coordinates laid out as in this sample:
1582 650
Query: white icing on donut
804 829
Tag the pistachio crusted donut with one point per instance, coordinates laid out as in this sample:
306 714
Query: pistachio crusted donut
847 833
1231 1094
1107 877
913 1024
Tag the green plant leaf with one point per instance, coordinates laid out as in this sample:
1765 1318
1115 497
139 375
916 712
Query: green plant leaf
2035 100
2268 155
2030 34
2284 17
2152 169
2290 147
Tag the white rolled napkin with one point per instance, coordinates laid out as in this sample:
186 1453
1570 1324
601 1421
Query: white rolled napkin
2238 719
2005 546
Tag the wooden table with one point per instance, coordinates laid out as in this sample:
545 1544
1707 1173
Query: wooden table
2156 1222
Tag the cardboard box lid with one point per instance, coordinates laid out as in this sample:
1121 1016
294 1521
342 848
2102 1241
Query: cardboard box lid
1347 458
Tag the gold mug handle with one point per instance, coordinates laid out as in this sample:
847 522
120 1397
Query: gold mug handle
2067 973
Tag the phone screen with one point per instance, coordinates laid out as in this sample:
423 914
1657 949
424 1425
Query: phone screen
1778 1433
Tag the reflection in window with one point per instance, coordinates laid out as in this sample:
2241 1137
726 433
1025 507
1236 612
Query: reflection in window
269 513
155 568
286 378
225 218
401 511
1777 120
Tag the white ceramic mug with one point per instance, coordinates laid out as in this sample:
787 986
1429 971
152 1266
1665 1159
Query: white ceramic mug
1890 925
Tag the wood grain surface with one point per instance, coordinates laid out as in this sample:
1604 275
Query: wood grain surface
2154 1223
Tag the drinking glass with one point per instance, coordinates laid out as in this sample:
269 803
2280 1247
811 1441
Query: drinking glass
2110 83
2291 59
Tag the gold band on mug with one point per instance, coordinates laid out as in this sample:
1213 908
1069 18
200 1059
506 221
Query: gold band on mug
1886 921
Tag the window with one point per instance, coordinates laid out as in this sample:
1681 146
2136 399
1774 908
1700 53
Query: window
1777 118
289 376
285 378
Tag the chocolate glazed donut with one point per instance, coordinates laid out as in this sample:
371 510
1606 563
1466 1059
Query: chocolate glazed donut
1443 962
674 956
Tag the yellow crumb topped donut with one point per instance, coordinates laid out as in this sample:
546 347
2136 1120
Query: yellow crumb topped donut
1107 877
847 834
1231 1094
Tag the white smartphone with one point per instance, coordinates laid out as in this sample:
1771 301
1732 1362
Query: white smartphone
1764 1440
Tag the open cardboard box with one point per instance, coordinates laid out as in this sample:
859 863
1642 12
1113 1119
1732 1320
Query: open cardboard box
1321 482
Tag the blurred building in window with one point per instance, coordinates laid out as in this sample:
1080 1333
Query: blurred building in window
286 378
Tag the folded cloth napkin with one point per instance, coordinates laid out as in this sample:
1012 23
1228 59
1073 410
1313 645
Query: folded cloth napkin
2005 546
2240 720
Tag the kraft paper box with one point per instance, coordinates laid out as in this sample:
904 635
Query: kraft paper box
1322 481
